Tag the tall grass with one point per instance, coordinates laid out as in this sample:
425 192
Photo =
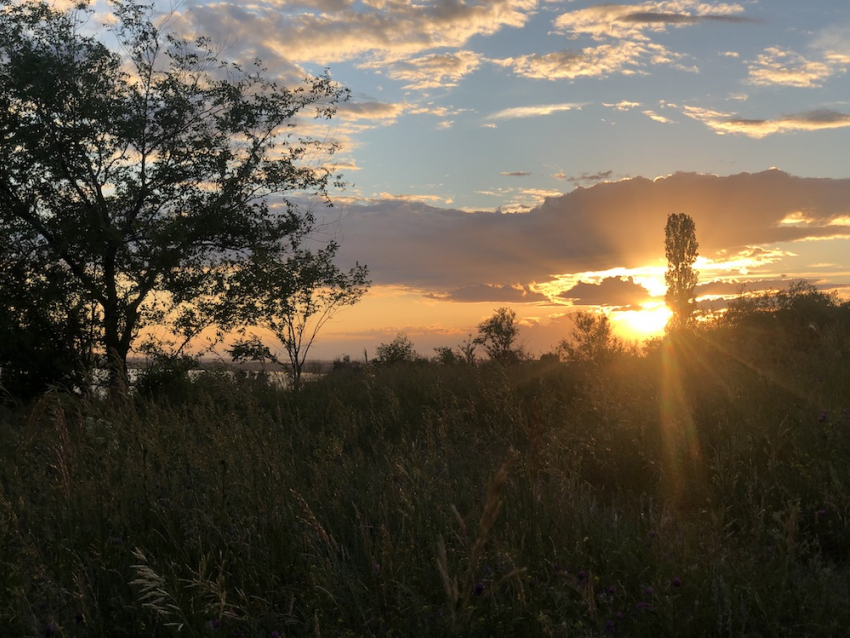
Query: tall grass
693 491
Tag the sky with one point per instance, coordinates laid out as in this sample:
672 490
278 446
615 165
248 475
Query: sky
527 153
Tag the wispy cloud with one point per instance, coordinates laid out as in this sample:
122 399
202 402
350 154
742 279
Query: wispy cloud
652 115
495 293
624 57
622 105
632 21
533 111
814 120
516 173
585 178
442 70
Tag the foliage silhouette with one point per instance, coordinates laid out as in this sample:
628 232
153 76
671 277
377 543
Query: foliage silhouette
142 177
681 246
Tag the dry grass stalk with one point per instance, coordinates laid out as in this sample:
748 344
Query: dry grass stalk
310 520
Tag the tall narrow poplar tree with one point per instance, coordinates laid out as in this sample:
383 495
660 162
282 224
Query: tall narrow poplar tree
680 242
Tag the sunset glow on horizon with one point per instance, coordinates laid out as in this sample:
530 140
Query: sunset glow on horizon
526 154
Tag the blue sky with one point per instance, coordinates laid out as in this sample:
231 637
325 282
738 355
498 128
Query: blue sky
495 106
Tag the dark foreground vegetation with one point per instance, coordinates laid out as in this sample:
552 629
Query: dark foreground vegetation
701 488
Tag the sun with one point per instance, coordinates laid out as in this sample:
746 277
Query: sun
648 322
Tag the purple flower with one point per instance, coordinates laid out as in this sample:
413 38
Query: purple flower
51 629
821 513
611 590
376 568
618 615
823 416
582 575
479 588
676 582
652 533
275 634
643 606
648 591
609 627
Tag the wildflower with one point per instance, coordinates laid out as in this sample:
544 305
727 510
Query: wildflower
652 533
823 416
641 606
376 568
275 634
821 513
51 629
609 627
582 575
479 588
676 582
611 590
618 615
648 591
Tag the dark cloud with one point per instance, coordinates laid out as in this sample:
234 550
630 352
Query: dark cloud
729 288
612 224
587 178
516 173
652 17
491 292
611 291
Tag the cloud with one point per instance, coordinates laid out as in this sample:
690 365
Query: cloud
585 178
609 225
623 57
631 21
516 173
335 31
533 111
623 105
654 17
652 115
430 71
815 120
495 293
383 111
610 291
734 287
787 68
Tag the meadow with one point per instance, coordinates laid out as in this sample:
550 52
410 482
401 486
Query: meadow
700 487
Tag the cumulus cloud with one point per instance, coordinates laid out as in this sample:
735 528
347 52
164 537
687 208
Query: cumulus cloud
623 33
814 120
610 291
611 224
327 31
787 68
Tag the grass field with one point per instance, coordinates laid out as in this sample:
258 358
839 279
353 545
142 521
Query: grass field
699 488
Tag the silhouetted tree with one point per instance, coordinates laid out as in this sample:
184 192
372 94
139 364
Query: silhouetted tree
681 246
399 350
293 297
498 335
144 174
592 339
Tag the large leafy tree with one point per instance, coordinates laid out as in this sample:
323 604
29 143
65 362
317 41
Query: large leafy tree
144 177
680 243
